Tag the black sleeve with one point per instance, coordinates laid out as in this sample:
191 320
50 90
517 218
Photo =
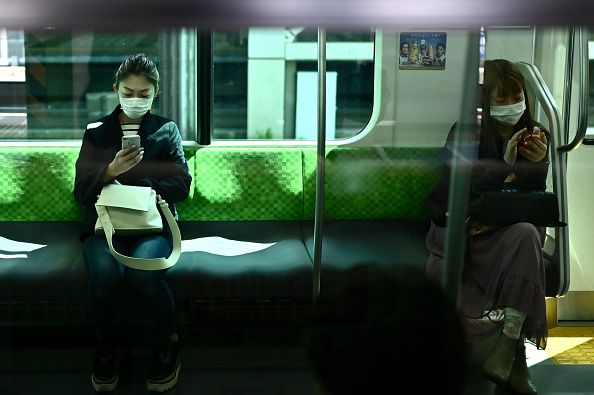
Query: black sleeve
170 178
437 201
487 175
490 174
90 167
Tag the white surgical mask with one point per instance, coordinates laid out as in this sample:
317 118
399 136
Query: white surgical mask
509 114
135 107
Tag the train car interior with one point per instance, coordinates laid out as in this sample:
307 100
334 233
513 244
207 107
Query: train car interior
314 135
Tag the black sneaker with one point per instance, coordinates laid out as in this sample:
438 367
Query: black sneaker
105 365
165 366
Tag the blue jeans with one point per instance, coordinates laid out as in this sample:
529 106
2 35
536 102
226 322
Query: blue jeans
107 276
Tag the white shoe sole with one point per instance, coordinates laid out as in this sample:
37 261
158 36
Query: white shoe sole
165 384
104 386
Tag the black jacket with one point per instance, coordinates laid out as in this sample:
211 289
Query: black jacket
488 173
163 167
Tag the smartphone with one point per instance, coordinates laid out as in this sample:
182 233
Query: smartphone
132 140
527 137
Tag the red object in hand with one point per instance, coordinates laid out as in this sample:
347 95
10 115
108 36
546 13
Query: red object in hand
528 137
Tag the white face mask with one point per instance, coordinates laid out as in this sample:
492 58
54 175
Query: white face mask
135 107
509 114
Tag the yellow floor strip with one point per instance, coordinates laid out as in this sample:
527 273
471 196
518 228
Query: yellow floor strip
571 345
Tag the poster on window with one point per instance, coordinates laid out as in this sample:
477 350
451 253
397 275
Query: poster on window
422 50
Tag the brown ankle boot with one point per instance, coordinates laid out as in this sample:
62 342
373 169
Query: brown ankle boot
498 365
519 378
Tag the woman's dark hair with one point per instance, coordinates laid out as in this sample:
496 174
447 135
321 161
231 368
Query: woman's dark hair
502 76
138 64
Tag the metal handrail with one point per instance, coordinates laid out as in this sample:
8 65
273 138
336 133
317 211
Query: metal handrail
462 158
582 120
205 78
320 166
543 95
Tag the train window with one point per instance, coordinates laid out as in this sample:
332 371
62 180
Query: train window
12 78
265 83
54 83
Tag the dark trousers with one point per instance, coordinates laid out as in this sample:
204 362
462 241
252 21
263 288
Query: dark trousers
107 276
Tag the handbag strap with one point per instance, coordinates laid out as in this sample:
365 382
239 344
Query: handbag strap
144 263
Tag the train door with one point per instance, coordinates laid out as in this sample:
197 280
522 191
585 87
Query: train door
578 304
551 59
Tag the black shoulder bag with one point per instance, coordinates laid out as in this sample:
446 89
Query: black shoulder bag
509 206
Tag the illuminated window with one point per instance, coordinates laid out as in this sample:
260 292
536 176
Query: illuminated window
264 82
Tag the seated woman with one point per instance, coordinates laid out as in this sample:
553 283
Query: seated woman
504 270
158 163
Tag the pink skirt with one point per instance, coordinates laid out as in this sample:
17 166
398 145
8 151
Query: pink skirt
504 268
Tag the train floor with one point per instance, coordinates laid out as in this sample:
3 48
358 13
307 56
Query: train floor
254 360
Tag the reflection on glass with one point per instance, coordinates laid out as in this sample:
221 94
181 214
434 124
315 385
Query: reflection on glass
265 83
55 83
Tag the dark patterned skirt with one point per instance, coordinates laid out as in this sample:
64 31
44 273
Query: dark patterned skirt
504 268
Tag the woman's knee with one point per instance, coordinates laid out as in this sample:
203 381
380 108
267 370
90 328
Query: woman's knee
152 247
102 266
526 233
525 247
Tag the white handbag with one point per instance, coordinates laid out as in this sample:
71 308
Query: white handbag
132 210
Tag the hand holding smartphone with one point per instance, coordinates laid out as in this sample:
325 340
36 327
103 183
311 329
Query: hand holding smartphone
529 136
131 141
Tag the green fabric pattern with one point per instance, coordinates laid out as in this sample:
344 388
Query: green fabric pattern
247 184
377 183
241 184
36 184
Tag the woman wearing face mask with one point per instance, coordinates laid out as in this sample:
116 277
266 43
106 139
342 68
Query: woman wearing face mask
504 272
160 164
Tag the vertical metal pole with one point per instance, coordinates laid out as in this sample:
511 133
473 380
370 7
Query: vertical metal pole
462 157
568 83
205 79
320 168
